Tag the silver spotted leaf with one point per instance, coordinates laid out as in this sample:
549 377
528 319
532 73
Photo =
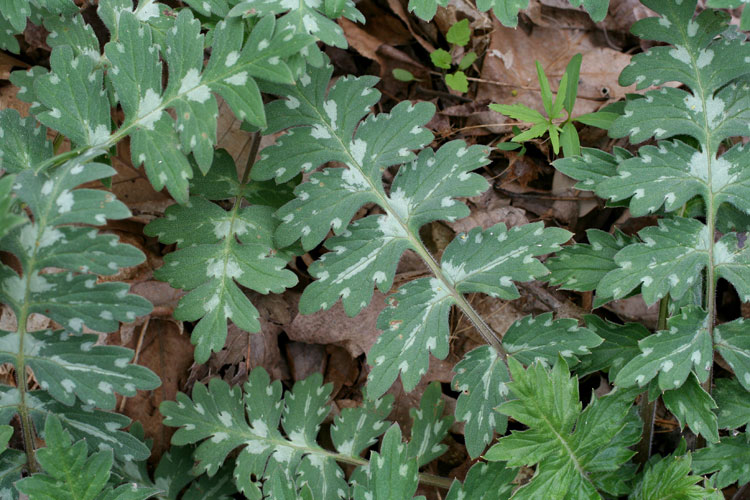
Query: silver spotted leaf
592 167
218 250
728 458
23 143
484 481
392 473
416 323
693 406
734 405
371 247
136 75
543 339
732 340
481 379
358 428
672 354
506 11
490 261
429 426
69 366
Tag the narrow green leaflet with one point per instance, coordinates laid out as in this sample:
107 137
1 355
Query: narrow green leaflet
693 406
485 481
136 75
730 459
75 103
9 217
669 478
73 366
416 322
543 339
71 474
734 405
429 427
733 343
581 267
673 353
481 378
392 473
573 450
619 347
670 259
370 249
218 250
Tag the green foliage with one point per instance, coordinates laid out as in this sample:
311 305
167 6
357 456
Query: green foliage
217 250
575 451
71 474
507 10
668 478
221 419
561 133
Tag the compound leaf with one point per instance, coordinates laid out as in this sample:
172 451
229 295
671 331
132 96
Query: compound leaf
573 450
217 250
619 347
670 478
673 353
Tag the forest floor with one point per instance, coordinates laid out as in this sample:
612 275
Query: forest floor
524 188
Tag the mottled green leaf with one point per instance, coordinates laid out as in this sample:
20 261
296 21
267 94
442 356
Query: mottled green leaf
693 406
733 402
732 340
392 473
619 347
481 378
485 481
672 353
729 458
429 426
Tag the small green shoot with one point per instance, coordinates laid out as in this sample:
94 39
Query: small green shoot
561 130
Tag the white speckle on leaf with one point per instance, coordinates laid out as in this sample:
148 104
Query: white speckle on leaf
238 79
232 58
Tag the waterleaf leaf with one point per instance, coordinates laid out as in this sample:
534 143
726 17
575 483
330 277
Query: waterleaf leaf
734 405
251 420
429 427
484 481
673 353
543 339
217 251
481 378
619 347
24 144
729 459
369 251
355 429
592 167
669 260
392 473
73 366
582 266
692 405
732 342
